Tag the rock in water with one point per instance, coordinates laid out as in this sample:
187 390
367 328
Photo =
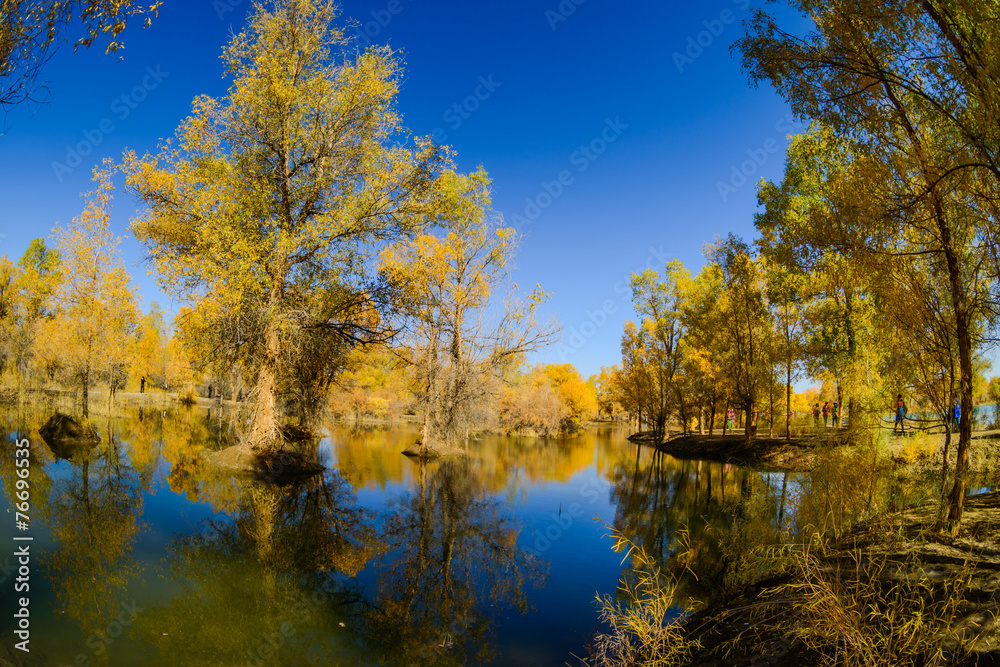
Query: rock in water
63 429
433 451
276 465
67 438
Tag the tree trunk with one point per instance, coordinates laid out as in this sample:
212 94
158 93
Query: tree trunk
961 311
264 432
711 424
957 499
947 430
770 414
86 392
788 400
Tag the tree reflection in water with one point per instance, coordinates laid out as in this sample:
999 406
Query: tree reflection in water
93 514
697 518
270 583
455 565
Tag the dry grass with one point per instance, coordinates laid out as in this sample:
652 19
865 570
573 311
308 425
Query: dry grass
876 612
646 626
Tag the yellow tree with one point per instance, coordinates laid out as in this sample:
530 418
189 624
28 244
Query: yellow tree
747 324
37 279
633 385
705 346
148 354
659 303
579 397
460 347
96 301
8 295
603 391
266 205
913 86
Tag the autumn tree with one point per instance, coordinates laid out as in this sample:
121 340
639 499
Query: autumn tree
529 405
705 346
150 340
26 290
461 339
909 85
786 297
747 323
579 396
96 300
266 205
604 393
39 274
658 302
632 384
809 230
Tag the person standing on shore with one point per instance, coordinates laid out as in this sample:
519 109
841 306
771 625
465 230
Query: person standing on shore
900 415
957 414
835 413
142 385
826 414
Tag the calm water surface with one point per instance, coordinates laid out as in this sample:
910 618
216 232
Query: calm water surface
145 555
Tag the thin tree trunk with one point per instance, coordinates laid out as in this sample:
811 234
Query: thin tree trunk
788 399
770 416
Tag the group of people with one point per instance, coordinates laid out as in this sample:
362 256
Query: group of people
827 411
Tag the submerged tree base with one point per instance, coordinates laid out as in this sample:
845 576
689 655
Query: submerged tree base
275 464
419 450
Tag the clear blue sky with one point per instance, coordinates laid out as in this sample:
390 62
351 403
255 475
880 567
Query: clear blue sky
639 109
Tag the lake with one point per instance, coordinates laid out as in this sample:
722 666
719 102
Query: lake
143 554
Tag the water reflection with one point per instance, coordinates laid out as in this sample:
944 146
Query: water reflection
93 512
383 560
265 583
455 565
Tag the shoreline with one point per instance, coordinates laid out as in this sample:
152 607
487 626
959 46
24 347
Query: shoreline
795 454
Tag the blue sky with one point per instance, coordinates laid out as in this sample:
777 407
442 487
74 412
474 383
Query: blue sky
613 132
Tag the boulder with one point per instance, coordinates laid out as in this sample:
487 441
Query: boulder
432 451
62 428
67 437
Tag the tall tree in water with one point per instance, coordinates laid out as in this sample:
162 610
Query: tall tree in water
913 85
268 204
462 341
